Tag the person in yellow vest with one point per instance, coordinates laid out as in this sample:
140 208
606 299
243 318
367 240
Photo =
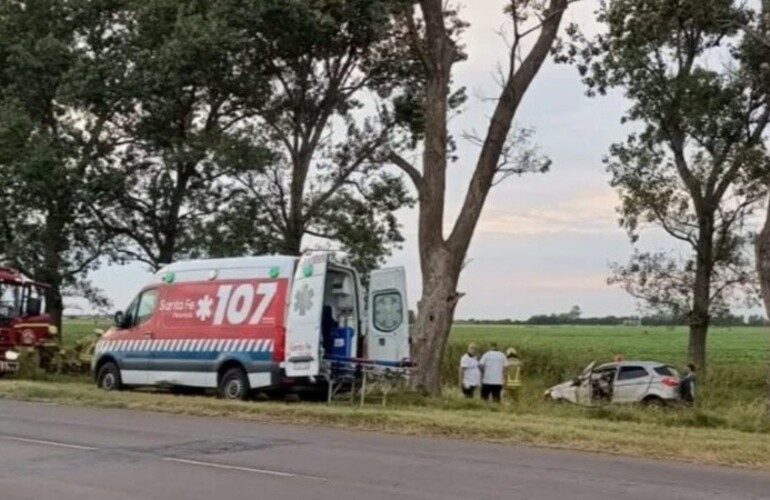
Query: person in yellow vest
513 381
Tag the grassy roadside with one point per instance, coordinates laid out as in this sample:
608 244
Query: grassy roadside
566 429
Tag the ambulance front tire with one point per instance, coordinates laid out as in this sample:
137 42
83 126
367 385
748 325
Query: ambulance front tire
109 377
234 385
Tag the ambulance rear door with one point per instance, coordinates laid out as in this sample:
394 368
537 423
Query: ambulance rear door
388 316
303 319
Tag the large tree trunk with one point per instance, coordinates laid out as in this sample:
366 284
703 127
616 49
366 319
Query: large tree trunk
700 315
55 307
292 239
763 270
441 259
699 318
51 271
434 321
436 314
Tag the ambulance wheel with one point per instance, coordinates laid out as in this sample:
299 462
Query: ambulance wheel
234 385
109 377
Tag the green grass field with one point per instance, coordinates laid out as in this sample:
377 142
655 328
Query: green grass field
730 345
563 350
735 383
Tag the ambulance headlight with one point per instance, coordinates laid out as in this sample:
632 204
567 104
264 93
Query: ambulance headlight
52 330
11 355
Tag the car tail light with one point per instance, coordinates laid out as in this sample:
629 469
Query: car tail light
670 382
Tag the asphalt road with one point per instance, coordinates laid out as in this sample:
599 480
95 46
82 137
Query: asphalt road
58 453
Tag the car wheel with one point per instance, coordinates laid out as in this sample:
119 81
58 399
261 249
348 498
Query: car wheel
109 377
234 385
653 402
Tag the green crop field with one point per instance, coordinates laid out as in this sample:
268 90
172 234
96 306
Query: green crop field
733 389
76 328
743 345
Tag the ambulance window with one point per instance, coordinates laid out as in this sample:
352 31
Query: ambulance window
146 306
388 311
128 319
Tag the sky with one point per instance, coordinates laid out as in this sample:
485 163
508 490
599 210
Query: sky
545 241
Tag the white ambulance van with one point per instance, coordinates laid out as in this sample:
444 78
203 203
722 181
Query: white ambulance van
243 324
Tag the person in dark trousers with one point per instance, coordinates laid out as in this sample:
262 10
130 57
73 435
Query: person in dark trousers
493 368
687 385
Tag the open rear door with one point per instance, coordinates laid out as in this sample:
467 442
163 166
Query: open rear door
303 321
388 316
584 389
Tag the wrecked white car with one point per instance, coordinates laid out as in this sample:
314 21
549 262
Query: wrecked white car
646 382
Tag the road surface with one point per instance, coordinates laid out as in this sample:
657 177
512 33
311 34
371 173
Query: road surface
59 453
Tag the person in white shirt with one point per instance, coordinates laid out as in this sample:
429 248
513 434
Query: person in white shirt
493 367
470 374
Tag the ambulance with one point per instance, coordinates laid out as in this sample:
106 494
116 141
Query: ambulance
240 325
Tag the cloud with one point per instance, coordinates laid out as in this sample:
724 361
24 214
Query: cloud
561 283
589 212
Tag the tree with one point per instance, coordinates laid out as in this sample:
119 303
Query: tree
692 169
324 59
433 34
194 83
574 314
233 139
58 70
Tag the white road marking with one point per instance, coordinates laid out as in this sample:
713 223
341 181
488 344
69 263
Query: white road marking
239 468
49 443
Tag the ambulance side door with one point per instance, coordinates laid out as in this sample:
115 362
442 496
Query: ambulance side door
303 319
388 316
135 336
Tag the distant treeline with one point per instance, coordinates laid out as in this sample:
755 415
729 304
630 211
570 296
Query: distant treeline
651 320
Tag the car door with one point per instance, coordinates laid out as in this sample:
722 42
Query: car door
583 389
388 316
134 339
303 320
631 384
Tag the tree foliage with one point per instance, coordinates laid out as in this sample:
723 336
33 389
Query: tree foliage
196 78
58 74
158 130
694 166
244 132
325 60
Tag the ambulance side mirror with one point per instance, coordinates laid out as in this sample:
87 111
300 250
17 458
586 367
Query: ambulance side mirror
118 319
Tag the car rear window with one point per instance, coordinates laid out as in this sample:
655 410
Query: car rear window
664 371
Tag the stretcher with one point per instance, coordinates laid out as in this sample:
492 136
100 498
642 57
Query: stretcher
364 377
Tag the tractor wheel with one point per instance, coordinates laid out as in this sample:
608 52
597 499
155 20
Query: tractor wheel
109 377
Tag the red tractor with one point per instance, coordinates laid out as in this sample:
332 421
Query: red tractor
24 323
